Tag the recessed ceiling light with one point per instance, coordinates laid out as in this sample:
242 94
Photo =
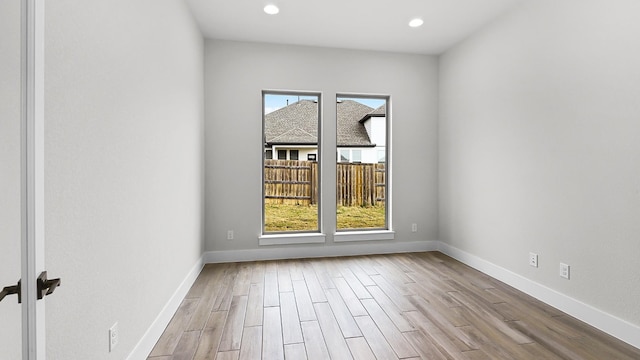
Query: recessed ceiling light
417 22
271 9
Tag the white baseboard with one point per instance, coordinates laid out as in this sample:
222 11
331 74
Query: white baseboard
297 252
145 345
608 323
599 319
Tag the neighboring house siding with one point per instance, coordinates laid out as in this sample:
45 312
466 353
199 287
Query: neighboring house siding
303 152
376 129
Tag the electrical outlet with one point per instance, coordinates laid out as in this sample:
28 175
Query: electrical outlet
533 259
230 235
414 227
113 337
564 270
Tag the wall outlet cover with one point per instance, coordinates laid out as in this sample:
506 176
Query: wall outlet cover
565 271
113 337
533 259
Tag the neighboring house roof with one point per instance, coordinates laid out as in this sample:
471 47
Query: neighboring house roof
350 132
293 124
295 136
381 111
298 124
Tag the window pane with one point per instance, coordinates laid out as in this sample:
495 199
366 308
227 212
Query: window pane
344 155
268 154
356 155
291 188
361 170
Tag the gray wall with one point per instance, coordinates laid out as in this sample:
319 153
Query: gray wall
123 169
10 175
539 148
235 75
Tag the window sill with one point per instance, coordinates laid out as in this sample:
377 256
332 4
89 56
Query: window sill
347 236
291 239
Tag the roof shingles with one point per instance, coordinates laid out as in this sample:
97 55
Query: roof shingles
298 124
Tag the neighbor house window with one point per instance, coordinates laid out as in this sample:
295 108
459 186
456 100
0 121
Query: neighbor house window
350 155
362 185
356 156
268 154
343 156
291 190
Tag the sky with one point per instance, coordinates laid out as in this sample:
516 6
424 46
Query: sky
275 102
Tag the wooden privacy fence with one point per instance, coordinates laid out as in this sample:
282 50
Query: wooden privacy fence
360 184
295 182
290 182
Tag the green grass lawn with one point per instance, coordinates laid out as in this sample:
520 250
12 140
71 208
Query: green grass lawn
304 218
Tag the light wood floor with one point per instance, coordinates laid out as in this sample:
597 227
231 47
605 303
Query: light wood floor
404 306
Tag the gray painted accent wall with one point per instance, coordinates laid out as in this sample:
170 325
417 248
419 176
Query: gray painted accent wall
10 312
123 168
235 75
539 148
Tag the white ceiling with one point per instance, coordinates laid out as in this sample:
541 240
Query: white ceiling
354 24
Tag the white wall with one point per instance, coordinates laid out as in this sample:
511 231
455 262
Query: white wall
10 329
539 148
235 75
376 128
124 167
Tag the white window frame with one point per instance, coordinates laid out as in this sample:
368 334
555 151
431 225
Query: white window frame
294 237
386 233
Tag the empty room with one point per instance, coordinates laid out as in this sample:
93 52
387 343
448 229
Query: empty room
436 179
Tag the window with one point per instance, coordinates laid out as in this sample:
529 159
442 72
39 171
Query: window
362 190
268 154
291 189
356 156
344 156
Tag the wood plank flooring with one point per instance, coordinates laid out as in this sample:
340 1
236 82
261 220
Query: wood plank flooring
400 306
